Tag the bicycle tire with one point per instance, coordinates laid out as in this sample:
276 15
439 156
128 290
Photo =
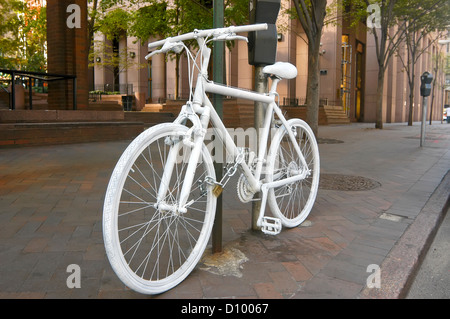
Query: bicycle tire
292 203
153 265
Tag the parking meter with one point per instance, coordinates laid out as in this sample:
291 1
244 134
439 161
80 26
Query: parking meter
425 86
425 90
262 45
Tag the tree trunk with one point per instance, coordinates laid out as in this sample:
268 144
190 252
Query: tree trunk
379 103
311 16
312 94
436 69
431 107
411 95
411 102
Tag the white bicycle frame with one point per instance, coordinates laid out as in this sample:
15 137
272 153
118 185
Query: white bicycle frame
200 112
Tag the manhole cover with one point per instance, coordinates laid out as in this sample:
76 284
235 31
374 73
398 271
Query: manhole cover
346 182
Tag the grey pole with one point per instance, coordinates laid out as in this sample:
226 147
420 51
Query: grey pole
260 87
424 119
425 90
262 49
218 64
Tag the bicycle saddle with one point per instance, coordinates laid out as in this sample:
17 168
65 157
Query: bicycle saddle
283 70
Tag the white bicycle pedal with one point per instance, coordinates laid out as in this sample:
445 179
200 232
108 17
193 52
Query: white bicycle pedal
271 226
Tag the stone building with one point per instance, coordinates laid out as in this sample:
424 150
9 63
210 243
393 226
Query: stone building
348 73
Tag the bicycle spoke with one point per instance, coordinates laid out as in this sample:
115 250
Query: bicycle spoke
157 242
292 202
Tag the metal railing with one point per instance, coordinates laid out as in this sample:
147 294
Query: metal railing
47 77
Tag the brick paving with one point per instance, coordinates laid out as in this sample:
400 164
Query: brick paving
51 200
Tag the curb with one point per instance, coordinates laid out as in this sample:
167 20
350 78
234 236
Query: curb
400 266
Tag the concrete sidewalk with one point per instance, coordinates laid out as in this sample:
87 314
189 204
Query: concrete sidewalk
380 201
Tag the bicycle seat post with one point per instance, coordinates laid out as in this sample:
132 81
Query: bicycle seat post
273 88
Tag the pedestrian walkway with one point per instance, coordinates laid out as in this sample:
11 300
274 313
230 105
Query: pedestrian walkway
381 195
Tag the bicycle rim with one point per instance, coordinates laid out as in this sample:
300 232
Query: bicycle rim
153 249
293 202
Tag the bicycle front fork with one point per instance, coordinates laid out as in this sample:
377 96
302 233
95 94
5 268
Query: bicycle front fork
192 142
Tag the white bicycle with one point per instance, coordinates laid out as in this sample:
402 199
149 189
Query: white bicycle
160 203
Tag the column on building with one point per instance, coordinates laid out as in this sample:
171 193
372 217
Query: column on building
330 64
103 75
67 54
137 75
286 52
401 100
390 90
157 79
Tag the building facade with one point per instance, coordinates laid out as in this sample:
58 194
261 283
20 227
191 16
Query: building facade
348 72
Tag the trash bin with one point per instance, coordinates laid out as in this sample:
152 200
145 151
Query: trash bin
127 102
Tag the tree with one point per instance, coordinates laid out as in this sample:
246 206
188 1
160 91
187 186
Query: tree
416 31
9 29
159 18
439 63
96 10
387 35
311 15
393 19
23 36
146 19
151 21
115 23
113 59
166 19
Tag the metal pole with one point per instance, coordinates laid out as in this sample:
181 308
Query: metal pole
260 87
218 64
424 118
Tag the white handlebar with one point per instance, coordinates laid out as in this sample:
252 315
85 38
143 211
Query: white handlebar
210 32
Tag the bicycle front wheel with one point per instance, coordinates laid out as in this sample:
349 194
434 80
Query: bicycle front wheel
152 247
293 202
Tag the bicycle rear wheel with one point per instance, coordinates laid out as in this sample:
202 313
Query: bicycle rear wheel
151 247
293 202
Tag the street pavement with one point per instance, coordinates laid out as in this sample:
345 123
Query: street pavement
381 200
433 278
